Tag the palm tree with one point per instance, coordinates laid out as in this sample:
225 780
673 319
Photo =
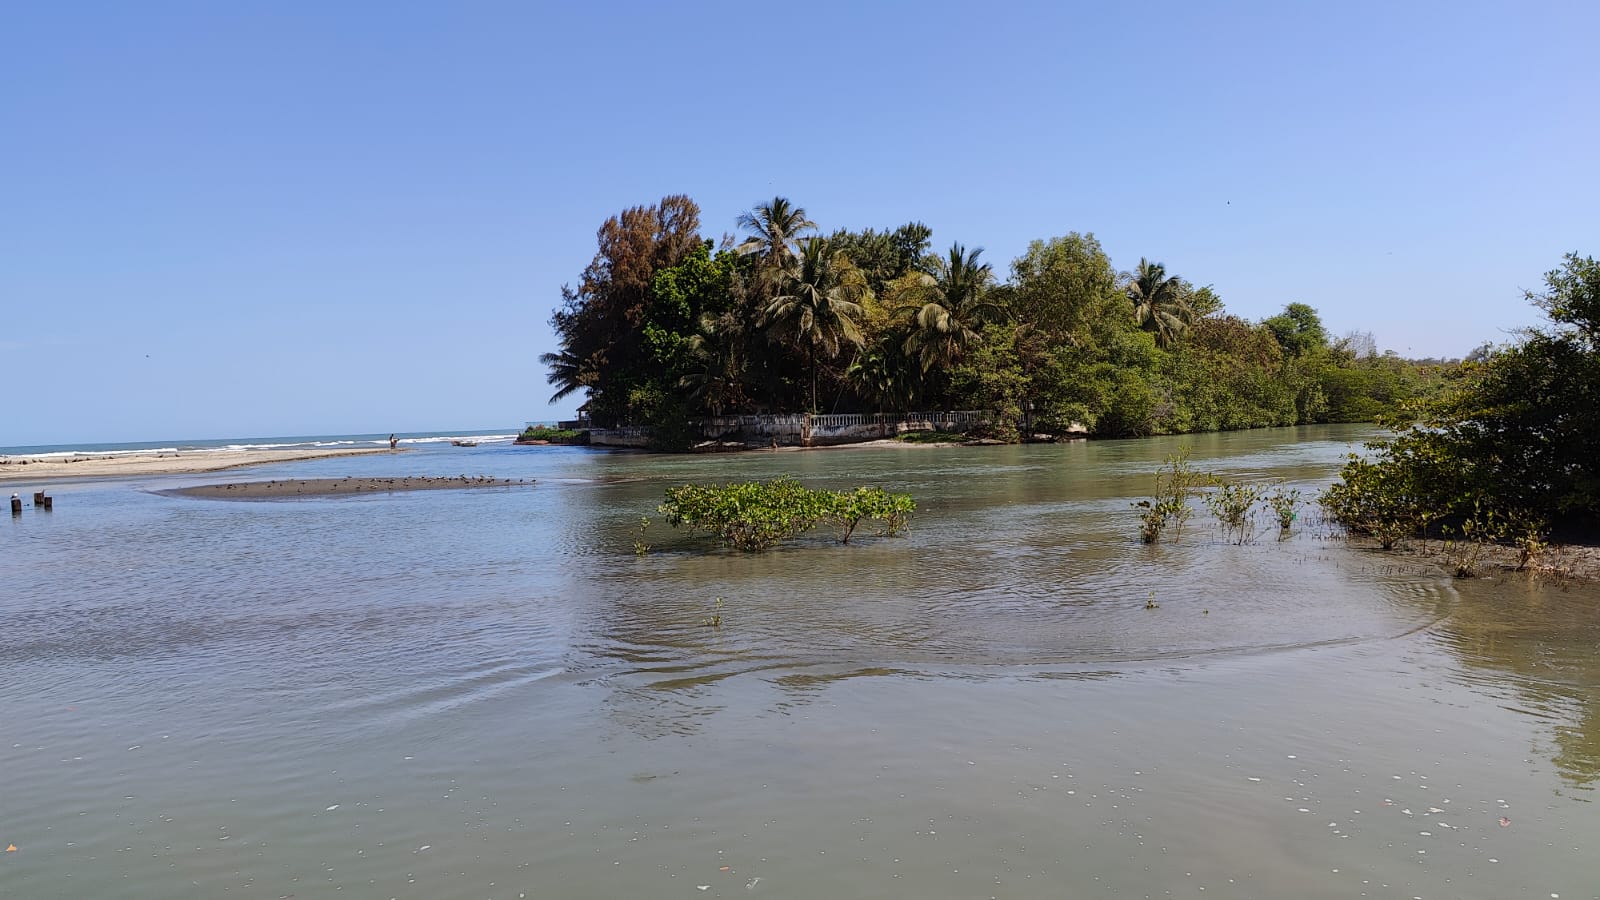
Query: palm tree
1160 302
818 301
774 228
883 376
952 306
568 373
720 376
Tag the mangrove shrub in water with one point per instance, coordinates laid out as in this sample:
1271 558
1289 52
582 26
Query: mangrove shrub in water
1233 503
755 515
1175 484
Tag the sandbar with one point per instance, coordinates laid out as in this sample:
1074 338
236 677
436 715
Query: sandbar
328 487
180 462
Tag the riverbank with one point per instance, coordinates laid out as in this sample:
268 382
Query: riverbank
177 462
1556 564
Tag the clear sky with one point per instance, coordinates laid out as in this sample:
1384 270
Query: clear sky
293 217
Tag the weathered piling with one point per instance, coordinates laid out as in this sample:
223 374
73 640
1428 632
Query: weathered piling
49 503
38 498
16 505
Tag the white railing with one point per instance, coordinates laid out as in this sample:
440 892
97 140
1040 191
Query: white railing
845 420
942 417
751 421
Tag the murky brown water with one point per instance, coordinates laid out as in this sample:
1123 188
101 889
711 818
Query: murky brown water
470 695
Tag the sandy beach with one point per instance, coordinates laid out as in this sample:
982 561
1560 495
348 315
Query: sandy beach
24 468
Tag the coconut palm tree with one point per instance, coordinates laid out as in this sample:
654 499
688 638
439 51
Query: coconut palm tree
1160 302
568 373
774 228
951 307
817 303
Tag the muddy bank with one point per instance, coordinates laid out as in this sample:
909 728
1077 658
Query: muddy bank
328 487
1555 564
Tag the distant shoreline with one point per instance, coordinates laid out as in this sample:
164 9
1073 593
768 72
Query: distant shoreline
179 462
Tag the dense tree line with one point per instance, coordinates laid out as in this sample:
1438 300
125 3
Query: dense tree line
1507 449
665 327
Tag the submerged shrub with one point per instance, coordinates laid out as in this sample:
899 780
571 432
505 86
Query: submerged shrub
1175 484
755 515
1233 503
871 503
1284 503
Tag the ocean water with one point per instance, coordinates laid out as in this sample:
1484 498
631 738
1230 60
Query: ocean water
491 693
410 440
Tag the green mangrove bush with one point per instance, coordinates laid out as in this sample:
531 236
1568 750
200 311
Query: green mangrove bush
554 435
1234 503
755 515
1176 482
1285 504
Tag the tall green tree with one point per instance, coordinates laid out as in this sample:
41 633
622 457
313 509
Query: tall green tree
1062 286
817 304
600 322
1298 330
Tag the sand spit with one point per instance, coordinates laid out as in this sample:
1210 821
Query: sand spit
329 487
181 462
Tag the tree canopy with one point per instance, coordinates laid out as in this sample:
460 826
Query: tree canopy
663 329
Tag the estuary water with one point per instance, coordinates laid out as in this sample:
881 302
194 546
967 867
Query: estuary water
490 694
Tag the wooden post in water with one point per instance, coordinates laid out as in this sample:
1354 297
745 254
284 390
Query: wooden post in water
38 498
16 505
49 504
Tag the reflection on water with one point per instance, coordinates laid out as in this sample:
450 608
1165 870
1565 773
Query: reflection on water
469 695
1537 647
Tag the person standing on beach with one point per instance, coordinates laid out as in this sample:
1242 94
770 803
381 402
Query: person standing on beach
392 442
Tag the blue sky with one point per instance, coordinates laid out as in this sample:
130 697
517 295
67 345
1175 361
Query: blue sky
286 218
